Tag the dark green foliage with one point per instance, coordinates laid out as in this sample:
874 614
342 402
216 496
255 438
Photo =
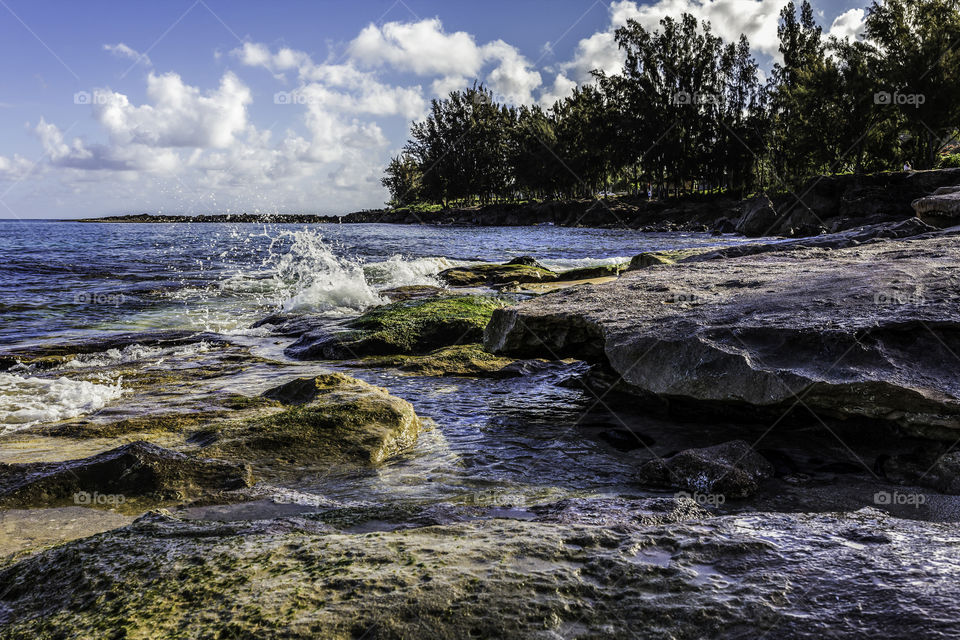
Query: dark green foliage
689 114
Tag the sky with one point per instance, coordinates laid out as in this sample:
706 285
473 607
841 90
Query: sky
210 106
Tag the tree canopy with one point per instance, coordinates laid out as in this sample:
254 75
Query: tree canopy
690 113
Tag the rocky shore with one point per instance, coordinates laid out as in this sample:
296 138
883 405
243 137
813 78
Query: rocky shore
826 204
772 426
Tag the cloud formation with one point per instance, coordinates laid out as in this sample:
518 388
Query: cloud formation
196 148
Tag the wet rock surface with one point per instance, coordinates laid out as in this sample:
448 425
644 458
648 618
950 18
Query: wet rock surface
331 418
868 332
612 570
732 469
137 470
407 327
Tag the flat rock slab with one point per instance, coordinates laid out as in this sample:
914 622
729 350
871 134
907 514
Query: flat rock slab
569 574
870 332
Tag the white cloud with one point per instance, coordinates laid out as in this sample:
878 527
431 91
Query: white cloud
562 87
15 168
419 47
757 19
848 25
425 49
179 116
123 51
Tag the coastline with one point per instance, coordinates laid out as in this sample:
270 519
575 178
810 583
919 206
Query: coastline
826 204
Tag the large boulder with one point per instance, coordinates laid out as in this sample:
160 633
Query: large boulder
759 218
732 469
941 208
331 418
867 334
138 470
406 327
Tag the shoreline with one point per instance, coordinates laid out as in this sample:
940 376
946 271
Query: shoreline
826 204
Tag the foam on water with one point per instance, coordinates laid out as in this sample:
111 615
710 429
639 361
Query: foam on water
25 401
134 353
310 276
566 264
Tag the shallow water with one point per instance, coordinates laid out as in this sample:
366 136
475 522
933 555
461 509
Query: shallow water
494 443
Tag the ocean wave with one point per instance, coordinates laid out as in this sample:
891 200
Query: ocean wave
25 401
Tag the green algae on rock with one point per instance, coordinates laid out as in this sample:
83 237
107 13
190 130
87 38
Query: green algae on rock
407 327
589 273
468 360
496 274
329 418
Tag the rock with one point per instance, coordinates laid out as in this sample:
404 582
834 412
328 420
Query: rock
759 218
945 474
467 360
281 324
795 576
527 261
732 469
866 334
586 273
924 467
135 470
941 209
910 228
412 292
409 327
496 274
656 258
331 418
724 225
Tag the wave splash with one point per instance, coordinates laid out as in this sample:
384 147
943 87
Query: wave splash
308 276
25 401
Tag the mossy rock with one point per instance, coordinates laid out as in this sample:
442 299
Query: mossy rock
654 258
496 274
330 418
468 360
408 327
588 273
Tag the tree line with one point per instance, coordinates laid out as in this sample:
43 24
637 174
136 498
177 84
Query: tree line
690 113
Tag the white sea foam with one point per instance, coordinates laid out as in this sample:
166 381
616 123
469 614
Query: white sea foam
400 272
566 264
25 401
134 353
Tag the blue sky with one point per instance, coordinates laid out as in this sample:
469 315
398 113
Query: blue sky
210 106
